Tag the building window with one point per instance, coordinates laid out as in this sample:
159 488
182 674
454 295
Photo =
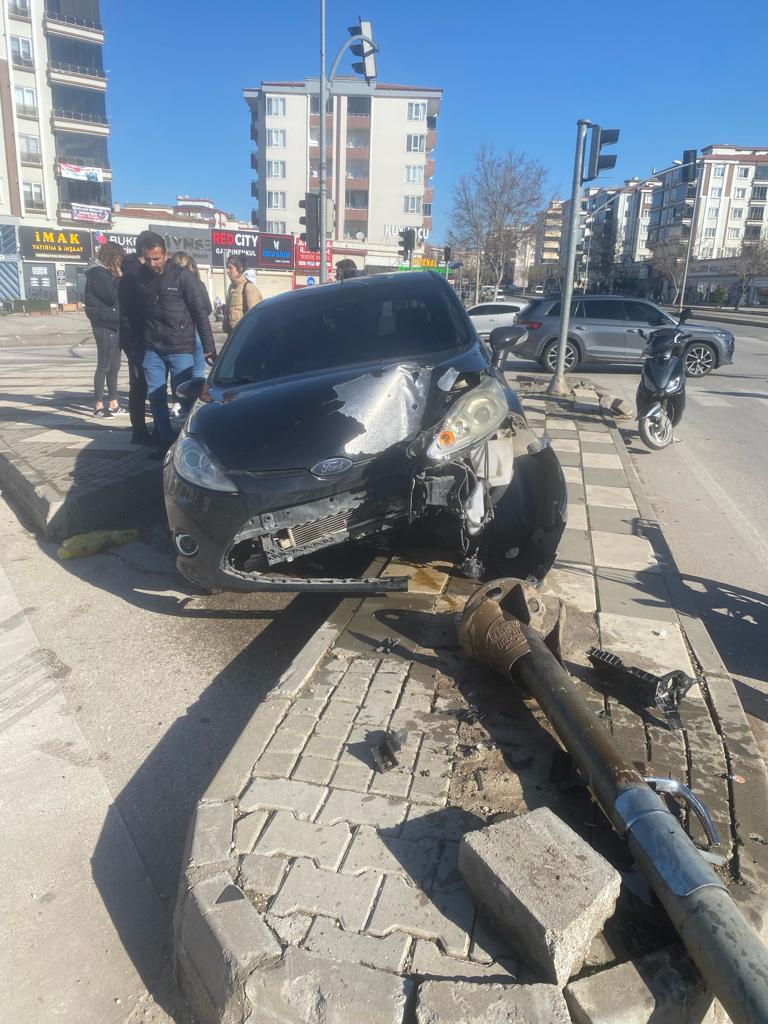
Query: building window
314 135
756 213
357 170
715 193
710 232
358 140
417 111
19 7
29 149
427 209
751 232
276 200
712 212
276 168
415 143
743 172
737 213
26 101
21 52
412 204
276 227
276 106
414 174
359 106
759 191
761 172
718 171
314 104
733 232
739 193
33 196
356 199
276 138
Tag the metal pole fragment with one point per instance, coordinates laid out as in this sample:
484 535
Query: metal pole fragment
694 214
557 385
722 943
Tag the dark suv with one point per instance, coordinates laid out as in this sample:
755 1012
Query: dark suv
607 328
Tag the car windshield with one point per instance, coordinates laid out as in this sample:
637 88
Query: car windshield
365 321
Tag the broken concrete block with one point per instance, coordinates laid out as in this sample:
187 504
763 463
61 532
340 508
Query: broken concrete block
458 1002
663 987
544 889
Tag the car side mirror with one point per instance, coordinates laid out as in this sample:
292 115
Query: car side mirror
502 339
190 390
686 314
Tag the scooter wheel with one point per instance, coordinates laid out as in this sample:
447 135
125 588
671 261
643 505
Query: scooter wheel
656 433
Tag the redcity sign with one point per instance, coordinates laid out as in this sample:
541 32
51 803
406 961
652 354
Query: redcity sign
256 249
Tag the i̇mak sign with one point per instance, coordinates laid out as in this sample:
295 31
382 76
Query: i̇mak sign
55 244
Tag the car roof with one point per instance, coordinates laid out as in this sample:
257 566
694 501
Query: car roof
494 302
423 281
589 295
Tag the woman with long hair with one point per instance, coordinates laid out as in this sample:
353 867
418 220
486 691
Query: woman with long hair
101 308
242 294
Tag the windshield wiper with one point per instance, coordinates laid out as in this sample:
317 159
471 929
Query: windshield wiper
226 382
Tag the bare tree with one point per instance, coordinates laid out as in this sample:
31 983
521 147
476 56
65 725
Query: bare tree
751 262
494 206
668 261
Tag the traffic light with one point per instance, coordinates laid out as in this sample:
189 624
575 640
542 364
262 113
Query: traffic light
600 137
407 243
447 253
311 237
367 66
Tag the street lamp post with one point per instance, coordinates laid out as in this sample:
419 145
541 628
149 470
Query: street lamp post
691 234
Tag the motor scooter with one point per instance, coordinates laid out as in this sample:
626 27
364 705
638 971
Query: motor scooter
661 393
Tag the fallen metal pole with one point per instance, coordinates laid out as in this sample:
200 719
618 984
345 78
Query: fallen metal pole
733 961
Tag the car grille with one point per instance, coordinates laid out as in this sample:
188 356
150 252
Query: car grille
347 521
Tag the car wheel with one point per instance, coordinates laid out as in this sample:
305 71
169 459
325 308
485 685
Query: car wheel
549 356
700 359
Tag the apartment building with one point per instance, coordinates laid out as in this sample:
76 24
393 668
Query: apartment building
548 236
55 177
615 226
722 199
380 161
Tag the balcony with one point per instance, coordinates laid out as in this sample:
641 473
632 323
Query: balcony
357 153
18 10
431 141
23 63
361 183
255 134
74 27
429 195
356 215
61 73
255 189
22 110
358 121
254 161
255 218
76 120
429 168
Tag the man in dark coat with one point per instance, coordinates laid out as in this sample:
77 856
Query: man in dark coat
132 343
166 307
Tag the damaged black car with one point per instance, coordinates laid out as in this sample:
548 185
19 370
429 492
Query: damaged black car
343 412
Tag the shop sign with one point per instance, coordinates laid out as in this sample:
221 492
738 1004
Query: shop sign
227 243
276 251
307 259
93 214
195 242
100 238
55 243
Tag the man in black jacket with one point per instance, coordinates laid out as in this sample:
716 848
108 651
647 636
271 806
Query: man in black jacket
166 307
132 343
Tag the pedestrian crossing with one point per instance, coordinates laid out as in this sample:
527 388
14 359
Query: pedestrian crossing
741 398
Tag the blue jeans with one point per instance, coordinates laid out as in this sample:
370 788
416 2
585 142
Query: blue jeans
156 370
199 366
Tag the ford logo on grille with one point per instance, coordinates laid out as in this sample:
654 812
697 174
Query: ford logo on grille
331 467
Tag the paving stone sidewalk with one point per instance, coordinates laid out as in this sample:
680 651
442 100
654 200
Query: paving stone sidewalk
315 885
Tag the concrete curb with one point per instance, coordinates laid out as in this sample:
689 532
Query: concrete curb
750 797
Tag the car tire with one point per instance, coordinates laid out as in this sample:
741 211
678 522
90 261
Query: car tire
700 359
548 357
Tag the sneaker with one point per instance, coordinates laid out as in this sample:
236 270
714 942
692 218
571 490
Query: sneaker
176 410
100 413
119 411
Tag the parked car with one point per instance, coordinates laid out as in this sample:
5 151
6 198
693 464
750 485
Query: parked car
538 289
607 328
342 412
489 315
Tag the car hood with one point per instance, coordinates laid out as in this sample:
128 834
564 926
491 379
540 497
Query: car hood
355 413
701 328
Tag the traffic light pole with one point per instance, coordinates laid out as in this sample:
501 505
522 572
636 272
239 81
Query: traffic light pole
558 386
323 179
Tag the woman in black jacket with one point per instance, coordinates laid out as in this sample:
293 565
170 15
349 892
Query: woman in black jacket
101 308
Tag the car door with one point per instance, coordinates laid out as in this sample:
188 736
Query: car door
481 318
505 314
642 316
603 329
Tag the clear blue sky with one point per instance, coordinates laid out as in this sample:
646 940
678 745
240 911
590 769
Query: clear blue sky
670 75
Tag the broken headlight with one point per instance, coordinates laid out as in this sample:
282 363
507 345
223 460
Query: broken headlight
194 463
474 416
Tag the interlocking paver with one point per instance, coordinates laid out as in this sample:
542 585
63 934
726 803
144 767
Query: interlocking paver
356 777
303 798
379 811
291 837
428 961
445 917
262 875
387 954
212 836
373 851
396 782
312 890
313 769
278 765
328 747
248 829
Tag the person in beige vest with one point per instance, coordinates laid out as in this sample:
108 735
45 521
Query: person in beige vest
242 295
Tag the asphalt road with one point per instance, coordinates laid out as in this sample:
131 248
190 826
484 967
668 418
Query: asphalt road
710 494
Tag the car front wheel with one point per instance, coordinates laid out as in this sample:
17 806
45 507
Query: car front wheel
700 359
549 356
